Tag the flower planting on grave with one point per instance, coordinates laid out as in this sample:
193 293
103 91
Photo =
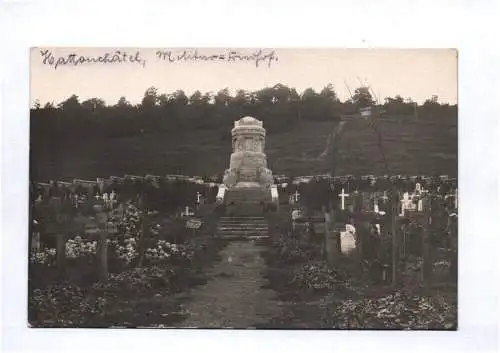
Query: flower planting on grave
101 304
399 310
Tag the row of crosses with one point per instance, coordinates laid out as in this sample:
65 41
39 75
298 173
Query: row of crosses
108 199
187 211
407 203
295 197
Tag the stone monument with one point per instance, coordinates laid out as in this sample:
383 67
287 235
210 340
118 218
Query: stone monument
248 180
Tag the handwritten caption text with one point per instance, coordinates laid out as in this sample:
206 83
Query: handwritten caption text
258 58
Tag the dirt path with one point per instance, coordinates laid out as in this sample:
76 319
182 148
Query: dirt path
332 140
234 295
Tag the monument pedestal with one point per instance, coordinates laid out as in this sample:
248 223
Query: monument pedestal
247 201
248 180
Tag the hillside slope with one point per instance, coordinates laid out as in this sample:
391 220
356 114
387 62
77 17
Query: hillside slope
411 147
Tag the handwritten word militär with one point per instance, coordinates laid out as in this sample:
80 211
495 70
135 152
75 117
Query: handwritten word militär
73 59
257 57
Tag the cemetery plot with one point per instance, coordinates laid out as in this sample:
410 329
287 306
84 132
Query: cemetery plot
98 250
94 253
375 260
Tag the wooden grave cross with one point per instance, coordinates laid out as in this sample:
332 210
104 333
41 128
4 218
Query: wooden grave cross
63 221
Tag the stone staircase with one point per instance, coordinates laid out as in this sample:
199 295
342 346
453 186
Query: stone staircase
242 227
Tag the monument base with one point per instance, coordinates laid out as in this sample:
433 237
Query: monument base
247 193
245 209
245 199
247 184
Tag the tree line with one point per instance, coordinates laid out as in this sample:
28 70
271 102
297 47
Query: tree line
280 107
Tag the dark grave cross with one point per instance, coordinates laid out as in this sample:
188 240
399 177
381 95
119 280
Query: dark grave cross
104 228
365 213
403 245
424 219
330 248
366 217
453 230
145 220
367 201
394 200
62 209
359 218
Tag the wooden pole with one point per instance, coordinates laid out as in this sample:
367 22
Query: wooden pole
358 222
103 255
454 251
61 255
327 230
331 236
62 224
144 227
426 253
394 211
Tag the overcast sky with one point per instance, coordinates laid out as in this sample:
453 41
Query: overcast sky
415 73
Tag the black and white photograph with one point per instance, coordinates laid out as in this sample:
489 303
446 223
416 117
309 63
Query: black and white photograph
246 188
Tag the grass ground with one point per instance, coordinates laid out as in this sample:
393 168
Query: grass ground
411 147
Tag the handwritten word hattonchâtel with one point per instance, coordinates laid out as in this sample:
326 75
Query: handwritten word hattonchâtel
257 57
116 57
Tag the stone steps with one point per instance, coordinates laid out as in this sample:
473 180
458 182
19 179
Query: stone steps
244 227
243 218
237 228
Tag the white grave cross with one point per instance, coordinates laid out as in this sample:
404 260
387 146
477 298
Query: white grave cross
405 202
187 212
420 205
112 198
455 198
343 195
296 196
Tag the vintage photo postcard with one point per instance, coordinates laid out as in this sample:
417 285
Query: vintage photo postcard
243 188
